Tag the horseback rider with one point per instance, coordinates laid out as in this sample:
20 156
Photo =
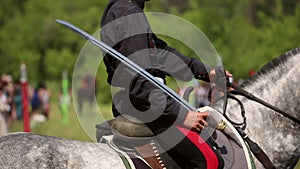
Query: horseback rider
139 98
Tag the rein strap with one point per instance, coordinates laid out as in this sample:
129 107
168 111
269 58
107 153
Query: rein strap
238 90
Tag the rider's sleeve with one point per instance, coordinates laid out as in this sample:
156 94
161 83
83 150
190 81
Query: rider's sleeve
146 97
198 69
127 34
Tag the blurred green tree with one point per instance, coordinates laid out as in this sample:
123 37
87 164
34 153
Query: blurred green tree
247 34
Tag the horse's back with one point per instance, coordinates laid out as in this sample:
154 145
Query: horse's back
24 150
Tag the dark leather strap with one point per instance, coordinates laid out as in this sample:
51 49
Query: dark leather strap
149 154
258 152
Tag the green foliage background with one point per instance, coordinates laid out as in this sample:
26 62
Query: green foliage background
247 33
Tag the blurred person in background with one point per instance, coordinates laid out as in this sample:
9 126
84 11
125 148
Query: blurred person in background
5 108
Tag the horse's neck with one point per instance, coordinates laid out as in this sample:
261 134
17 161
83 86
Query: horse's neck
278 83
280 86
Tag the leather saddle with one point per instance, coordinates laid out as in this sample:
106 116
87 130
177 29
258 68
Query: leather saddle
135 139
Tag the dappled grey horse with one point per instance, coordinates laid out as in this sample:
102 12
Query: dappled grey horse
25 150
277 83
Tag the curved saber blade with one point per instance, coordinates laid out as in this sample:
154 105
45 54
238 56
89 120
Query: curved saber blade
128 63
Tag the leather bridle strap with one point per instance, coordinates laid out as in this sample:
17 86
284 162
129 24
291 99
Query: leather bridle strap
238 90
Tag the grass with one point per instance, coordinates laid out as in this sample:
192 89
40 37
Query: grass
298 165
82 128
54 126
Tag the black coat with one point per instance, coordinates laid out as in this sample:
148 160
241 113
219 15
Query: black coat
125 27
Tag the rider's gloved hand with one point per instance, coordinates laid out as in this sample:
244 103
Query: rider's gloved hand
217 73
220 78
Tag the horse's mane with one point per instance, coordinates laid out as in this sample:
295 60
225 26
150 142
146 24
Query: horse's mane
271 66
